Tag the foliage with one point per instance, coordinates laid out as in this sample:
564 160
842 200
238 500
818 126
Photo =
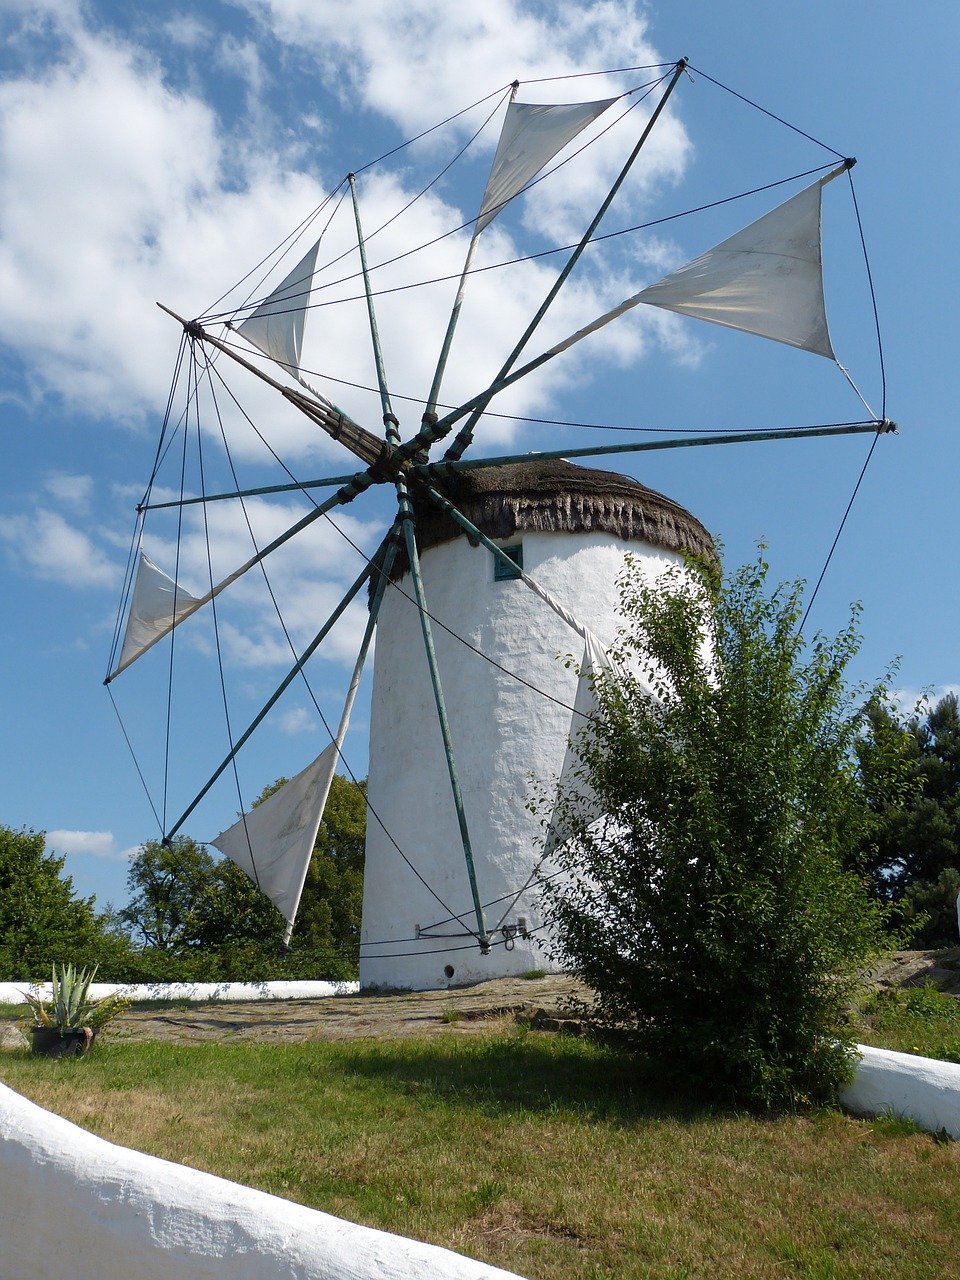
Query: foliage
931 906
184 900
199 918
42 921
70 1007
918 1020
916 840
709 907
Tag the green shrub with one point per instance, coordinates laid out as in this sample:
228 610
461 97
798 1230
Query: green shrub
709 906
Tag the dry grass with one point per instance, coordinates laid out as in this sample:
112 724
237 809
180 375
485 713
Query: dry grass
541 1154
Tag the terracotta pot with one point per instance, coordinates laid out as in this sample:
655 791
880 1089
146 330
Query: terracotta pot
52 1043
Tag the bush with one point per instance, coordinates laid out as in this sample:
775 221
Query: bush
709 906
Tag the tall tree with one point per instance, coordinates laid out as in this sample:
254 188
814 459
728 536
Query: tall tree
42 920
182 899
709 906
915 857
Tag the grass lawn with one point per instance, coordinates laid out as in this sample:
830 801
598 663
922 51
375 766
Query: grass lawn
537 1153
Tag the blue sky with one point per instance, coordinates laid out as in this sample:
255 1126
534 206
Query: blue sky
153 155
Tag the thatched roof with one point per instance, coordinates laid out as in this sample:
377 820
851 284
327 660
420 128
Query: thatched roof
554 496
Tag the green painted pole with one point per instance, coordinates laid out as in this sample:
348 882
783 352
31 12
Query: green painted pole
465 434
431 409
392 427
284 684
878 427
293 487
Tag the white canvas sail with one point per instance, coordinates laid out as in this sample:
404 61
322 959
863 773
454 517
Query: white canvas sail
578 796
766 279
158 604
276 327
531 136
273 842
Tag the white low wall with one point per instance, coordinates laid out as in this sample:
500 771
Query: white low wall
73 1207
920 1089
12 992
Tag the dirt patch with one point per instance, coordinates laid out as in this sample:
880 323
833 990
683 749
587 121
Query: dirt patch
545 1003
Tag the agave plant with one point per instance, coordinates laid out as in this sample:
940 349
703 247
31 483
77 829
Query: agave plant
70 1007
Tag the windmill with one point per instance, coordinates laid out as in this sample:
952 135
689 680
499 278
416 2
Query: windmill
489 568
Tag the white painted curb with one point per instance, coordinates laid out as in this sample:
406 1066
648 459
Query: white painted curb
12 992
73 1207
923 1090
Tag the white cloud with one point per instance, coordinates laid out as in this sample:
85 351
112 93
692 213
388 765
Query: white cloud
117 189
297 720
72 490
119 186
98 844
55 550
910 702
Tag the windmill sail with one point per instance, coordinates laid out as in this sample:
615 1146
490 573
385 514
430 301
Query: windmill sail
766 279
158 604
276 327
576 797
273 843
531 136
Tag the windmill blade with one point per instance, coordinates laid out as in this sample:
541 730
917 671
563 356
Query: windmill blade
163 626
369 568
766 280
158 604
432 430
531 136
276 326
273 843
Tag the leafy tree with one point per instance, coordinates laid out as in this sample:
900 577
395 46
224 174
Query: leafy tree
41 918
183 899
709 907
917 833
916 847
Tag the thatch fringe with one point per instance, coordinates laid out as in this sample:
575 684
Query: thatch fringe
554 496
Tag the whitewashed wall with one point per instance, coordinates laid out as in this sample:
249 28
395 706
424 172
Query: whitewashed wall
73 1207
903 1084
503 734
12 992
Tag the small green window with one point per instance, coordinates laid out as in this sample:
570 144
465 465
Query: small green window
503 572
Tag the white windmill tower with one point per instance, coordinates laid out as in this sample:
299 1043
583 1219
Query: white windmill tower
499 625
469 700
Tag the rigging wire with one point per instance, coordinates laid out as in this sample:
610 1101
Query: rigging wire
191 369
883 402
213 604
315 304
453 231
833 545
763 110
136 762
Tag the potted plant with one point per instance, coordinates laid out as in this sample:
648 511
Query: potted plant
66 1025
